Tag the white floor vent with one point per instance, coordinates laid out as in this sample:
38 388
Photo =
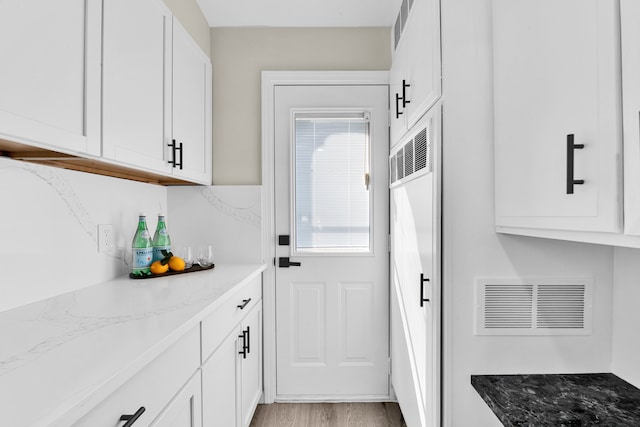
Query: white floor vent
534 306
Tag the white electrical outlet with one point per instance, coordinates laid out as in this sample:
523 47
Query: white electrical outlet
105 238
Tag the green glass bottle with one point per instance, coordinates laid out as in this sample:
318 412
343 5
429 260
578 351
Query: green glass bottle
142 249
161 240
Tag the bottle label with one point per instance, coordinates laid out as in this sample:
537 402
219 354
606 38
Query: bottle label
142 257
145 234
163 232
157 252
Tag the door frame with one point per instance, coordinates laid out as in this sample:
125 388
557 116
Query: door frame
271 79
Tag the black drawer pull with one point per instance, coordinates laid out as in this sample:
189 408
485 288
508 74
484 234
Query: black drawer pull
570 163
248 341
130 419
244 303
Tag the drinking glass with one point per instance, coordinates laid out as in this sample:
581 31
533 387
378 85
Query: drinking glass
205 255
187 255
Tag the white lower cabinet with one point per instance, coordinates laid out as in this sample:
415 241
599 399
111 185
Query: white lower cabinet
251 366
232 376
232 359
212 376
219 389
151 390
185 410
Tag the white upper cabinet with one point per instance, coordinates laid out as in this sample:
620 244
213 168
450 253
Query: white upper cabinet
135 84
415 72
630 13
50 86
557 102
115 82
157 92
191 108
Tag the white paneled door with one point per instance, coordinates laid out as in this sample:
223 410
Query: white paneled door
332 226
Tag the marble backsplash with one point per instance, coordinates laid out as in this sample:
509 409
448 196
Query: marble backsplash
227 217
49 226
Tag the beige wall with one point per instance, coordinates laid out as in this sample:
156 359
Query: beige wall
239 55
191 17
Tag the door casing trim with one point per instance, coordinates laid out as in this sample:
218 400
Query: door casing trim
271 79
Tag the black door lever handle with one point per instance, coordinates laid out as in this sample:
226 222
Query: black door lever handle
283 262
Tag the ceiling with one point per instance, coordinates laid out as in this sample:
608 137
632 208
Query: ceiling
299 13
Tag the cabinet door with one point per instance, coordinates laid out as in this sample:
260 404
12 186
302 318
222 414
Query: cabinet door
556 74
630 16
191 107
412 210
397 119
423 58
135 88
50 73
251 372
219 384
185 410
153 387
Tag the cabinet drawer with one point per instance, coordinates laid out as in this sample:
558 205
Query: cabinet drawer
152 388
218 325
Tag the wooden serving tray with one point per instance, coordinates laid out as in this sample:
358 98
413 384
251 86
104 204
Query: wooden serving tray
193 268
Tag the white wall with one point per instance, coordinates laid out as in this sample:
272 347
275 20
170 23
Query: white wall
472 249
191 17
626 315
239 55
48 228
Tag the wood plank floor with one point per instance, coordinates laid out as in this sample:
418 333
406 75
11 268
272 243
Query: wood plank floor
374 414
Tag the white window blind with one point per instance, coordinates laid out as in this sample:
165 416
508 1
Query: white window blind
331 191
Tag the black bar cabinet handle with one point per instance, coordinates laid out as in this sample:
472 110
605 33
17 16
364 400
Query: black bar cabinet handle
243 352
173 153
130 419
248 341
422 281
405 85
570 163
244 303
398 112
181 150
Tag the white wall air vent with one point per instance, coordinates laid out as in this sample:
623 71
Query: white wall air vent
534 306
422 149
400 163
408 158
393 172
413 158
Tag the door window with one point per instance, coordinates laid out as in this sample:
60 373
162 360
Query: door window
331 198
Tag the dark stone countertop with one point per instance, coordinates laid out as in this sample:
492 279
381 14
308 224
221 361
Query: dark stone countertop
560 400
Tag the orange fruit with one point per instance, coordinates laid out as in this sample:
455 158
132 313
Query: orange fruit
176 263
158 268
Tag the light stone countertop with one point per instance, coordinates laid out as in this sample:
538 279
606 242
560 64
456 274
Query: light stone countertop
62 356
